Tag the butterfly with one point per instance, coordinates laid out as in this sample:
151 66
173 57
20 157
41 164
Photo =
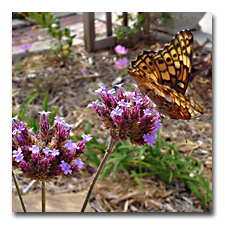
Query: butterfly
163 76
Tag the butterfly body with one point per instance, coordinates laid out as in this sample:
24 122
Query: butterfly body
163 76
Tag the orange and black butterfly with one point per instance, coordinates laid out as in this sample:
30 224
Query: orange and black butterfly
163 76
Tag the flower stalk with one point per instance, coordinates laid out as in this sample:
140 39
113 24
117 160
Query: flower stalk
19 193
43 196
48 153
126 115
112 144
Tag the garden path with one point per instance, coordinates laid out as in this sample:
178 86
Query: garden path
22 31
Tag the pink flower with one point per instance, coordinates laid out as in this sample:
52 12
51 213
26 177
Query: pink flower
83 71
121 50
24 48
121 63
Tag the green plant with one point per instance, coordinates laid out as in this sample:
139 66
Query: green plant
164 160
171 164
19 15
53 111
31 120
94 148
61 41
124 32
165 20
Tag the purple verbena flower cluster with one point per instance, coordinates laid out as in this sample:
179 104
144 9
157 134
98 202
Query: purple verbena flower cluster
48 153
127 115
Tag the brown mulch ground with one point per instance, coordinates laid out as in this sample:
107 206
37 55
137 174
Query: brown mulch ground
72 91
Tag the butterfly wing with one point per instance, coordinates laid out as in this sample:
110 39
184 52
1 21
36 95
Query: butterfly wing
170 66
174 62
164 77
143 71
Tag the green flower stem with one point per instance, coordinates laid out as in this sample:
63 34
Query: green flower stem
18 191
43 196
108 151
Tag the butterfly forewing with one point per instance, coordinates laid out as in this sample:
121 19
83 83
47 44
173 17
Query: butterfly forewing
145 63
164 76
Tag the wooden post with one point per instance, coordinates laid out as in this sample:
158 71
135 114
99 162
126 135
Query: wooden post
147 23
125 19
89 31
109 23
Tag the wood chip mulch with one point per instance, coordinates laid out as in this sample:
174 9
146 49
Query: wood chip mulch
72 91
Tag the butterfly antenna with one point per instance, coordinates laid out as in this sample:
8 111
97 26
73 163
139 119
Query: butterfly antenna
183 133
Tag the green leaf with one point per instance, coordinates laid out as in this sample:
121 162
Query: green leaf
115 166
53 113
141 152
34 16
67 32
55 46
165 15
88 127
141 16
25 104
92 158
171 176
59 34
131 18
57 22
73 36
195 190
119 17
45 102
43 18
33 123
136 177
